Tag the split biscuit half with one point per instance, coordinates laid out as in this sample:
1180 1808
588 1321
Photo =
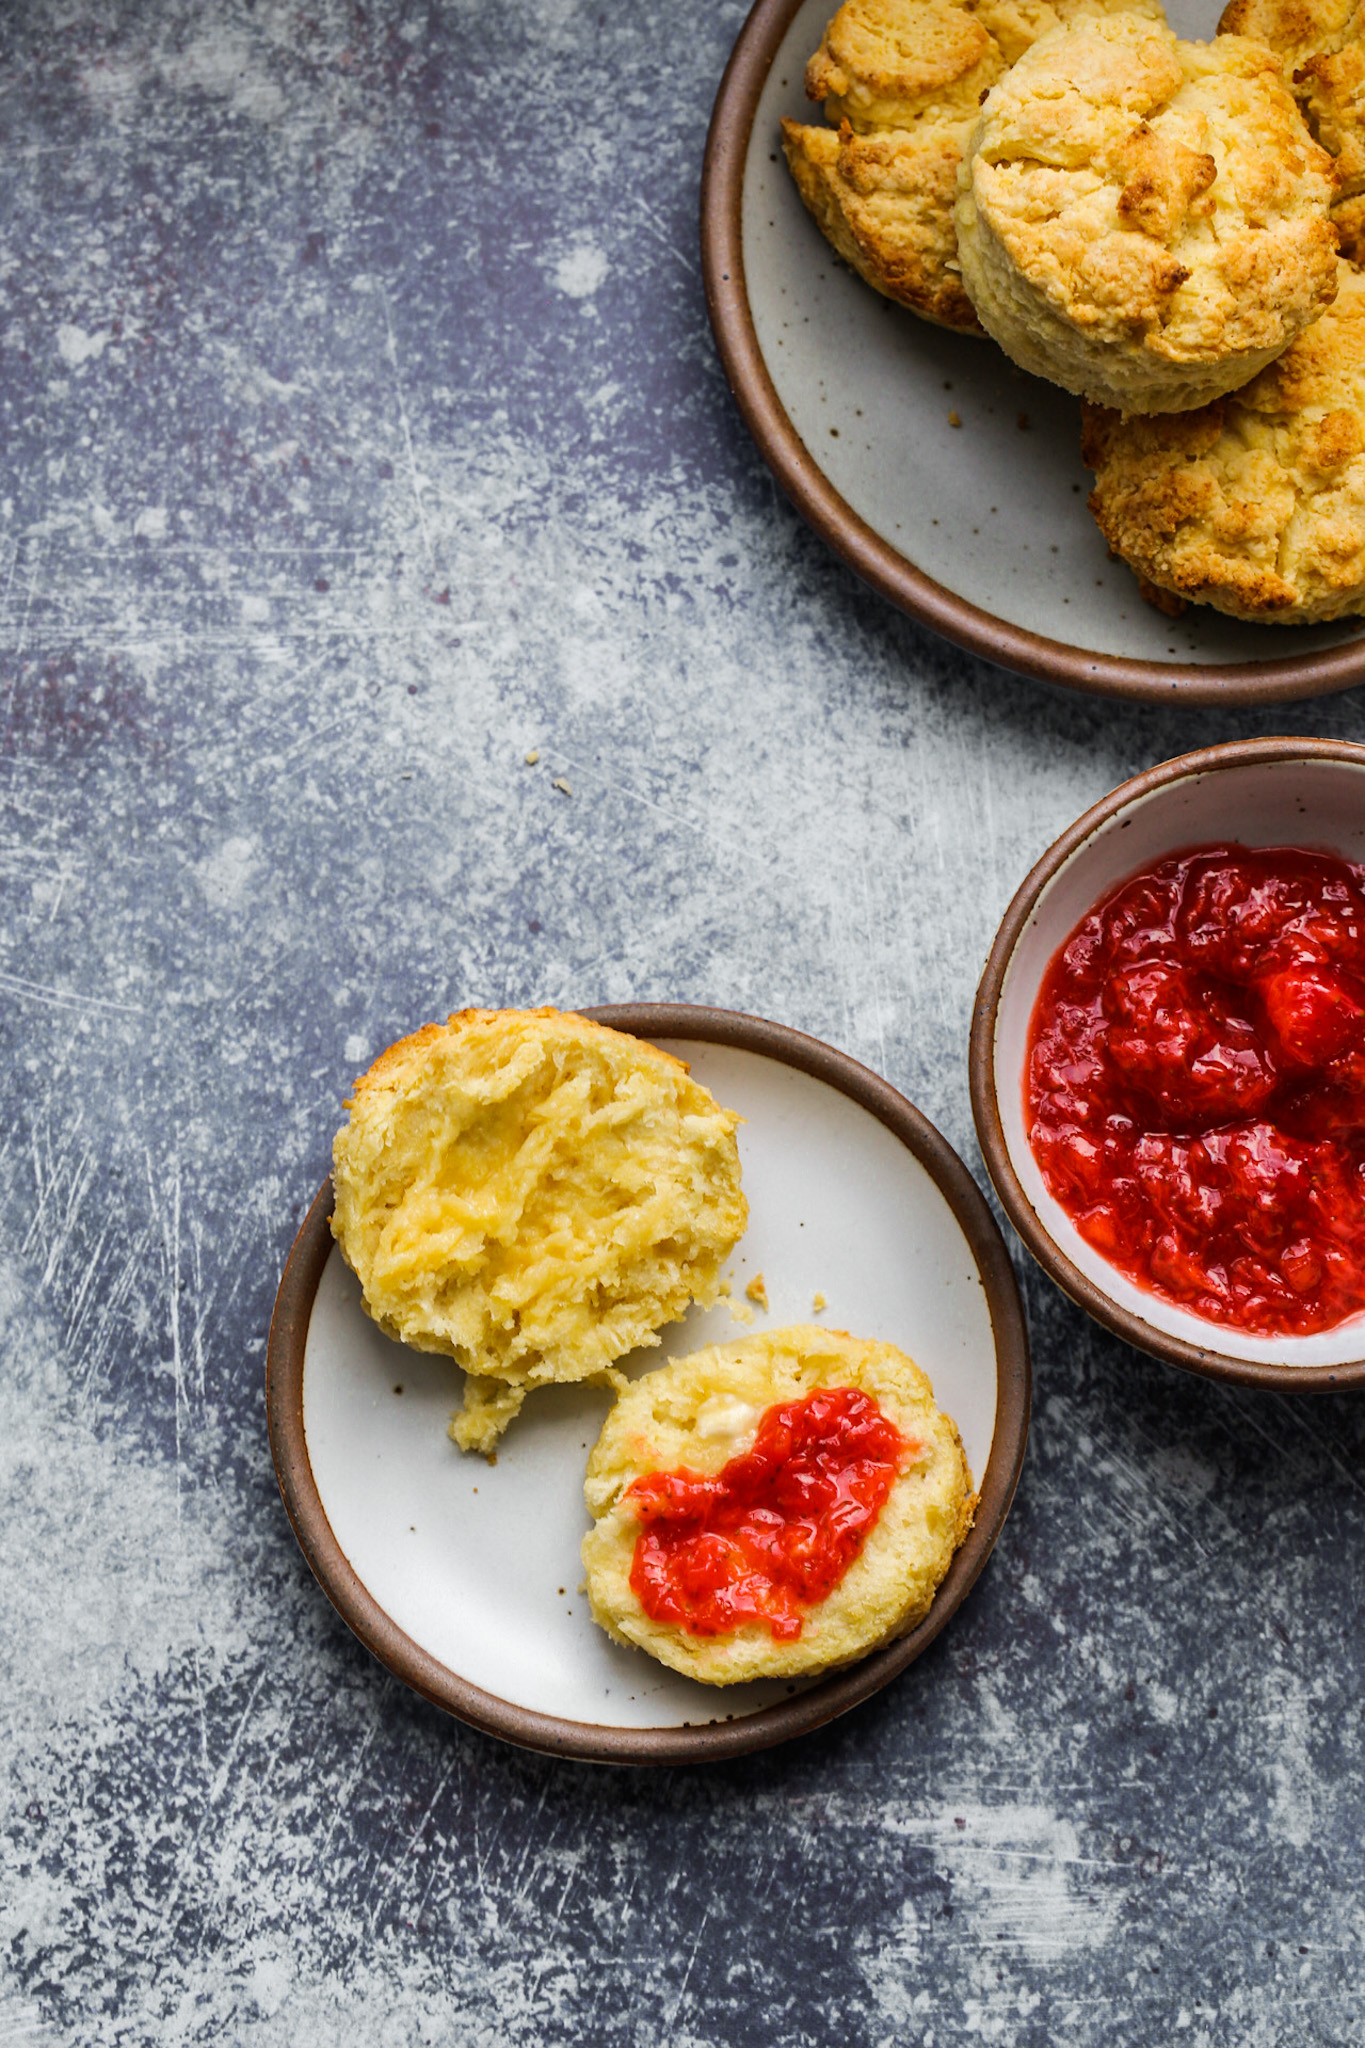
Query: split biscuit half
696 1415
534 1195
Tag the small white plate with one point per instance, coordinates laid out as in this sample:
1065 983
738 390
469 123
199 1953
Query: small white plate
465 1577
980 529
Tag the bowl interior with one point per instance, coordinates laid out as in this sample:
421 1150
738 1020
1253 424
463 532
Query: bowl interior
993 509
1316 803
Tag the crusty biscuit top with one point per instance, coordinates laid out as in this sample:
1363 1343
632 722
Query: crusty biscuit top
1322 44
886 63
1255 505
894 63
1158 190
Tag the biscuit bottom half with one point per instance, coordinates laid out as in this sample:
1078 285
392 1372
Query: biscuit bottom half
533 1195
1254 505
696 1415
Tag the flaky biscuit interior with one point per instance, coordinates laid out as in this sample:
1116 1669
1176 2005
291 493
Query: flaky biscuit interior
1144 220
700 1412
534 1195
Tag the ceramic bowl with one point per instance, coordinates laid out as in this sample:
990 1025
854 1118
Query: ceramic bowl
1275 792
949 480
465 1579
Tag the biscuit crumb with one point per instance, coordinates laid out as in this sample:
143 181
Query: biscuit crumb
533 757
756 1291
724 1290
740 1314
560 784
818 1302
953 420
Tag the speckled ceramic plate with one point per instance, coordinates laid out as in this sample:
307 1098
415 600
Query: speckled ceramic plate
464 1578
980 530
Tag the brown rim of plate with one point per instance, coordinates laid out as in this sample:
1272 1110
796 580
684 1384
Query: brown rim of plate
1211 1363
1276 680
825 1699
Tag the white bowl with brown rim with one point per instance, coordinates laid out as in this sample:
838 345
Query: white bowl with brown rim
1271 792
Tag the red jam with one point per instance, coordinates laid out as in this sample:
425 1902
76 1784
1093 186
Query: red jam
1195 1090
774 1531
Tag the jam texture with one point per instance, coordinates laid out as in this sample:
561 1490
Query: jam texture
773 1532
1195 1086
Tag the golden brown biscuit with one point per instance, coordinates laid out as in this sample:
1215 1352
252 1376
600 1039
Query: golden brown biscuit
1144 220
1322 44
902 82
694 1416
886 203
533 1195
1256 504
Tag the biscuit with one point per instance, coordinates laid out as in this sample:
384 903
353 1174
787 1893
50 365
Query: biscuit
533 1195
885 202
1322 45
1142 220
693 1417
902 82
1256 504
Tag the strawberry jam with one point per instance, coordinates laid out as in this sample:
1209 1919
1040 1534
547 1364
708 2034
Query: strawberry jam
774 1531
1195 1088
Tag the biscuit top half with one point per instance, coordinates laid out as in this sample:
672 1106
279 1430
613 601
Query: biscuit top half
1158 190
895 63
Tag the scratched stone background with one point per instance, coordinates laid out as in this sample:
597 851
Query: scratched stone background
361 433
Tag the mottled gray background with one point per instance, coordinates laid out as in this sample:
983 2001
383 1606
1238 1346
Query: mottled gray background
361 431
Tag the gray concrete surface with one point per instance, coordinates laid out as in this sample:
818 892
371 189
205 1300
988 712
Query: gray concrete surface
361 432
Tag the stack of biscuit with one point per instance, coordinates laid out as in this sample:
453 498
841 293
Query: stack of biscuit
1151 223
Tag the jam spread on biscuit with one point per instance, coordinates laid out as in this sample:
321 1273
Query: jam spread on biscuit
1195 1087
773 1532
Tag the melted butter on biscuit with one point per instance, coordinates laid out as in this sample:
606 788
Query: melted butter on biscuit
721 1415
